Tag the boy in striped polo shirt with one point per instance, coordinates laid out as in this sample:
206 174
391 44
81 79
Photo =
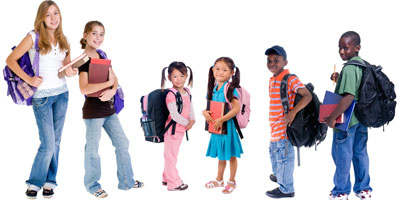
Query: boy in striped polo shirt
281 150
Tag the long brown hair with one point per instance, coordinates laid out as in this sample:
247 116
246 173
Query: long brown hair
40 27
88 28
235 78
181 67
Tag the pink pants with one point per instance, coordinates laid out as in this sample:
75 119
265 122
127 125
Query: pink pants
171 150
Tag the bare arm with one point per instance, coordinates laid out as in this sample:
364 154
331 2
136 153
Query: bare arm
69 72
302 103
18 52
88 88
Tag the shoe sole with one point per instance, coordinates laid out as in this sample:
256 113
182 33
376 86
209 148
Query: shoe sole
48 197
181 189
30 197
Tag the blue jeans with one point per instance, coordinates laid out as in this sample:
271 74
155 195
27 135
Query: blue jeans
282 160
114 130
50 116
347 147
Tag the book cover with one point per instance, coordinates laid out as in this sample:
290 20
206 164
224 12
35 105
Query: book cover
326 109
98 73
76 63
218 110
333 98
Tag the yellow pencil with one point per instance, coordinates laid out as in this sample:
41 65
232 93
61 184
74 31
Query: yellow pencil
334 75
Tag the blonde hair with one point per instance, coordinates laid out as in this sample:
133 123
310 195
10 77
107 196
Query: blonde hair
88 28
40 27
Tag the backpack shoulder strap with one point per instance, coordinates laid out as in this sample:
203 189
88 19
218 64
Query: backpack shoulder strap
188 91
35 65
230 106
102 53
284 93
178 97
356 63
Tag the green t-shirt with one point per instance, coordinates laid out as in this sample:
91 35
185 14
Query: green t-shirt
349 82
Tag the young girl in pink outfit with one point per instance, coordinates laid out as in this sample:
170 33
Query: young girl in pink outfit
177 74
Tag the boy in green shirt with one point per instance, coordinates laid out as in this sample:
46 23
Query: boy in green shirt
350 145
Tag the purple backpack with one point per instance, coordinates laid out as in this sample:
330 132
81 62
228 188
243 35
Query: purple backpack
20 91
119 95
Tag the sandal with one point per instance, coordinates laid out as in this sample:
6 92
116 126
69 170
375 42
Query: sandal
138 184
180 188
100 194
48 193
215 183
229 187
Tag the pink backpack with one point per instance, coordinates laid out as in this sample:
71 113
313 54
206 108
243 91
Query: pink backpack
243 117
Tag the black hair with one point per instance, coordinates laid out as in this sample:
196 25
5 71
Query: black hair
181 67
355 38
235 78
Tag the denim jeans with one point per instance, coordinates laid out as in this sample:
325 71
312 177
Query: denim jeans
50 116
347 147
114 130
282 160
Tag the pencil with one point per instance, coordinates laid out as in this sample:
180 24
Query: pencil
334 75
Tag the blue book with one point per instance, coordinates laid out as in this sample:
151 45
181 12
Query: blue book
333 98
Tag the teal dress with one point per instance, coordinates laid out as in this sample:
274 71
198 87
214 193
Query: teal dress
224 146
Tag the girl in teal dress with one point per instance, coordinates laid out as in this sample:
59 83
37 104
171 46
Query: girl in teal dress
225 147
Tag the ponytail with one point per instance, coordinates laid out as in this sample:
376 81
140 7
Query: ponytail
83 43
211 83
163 79
235 84
190 83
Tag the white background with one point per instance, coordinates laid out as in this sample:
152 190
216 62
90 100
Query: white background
142 37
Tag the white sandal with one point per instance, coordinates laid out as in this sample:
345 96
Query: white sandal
230 186
215 183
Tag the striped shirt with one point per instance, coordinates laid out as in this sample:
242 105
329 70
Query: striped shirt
276 113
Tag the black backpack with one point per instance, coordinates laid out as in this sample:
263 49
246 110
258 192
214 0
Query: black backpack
376 105
155 114
305 129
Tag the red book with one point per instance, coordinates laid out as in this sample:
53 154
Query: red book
218 110
98 73
326 109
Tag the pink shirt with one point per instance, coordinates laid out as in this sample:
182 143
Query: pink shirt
187 114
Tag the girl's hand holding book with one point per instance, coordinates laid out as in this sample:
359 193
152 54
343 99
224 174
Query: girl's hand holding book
218 124
207 116
107 95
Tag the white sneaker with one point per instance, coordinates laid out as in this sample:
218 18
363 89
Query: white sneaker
338 197
364 195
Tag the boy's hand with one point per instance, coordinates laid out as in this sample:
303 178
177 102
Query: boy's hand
218 124
329 121
335 76
289 118
207 116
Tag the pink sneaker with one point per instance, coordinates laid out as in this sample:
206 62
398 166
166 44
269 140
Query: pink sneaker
364 195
